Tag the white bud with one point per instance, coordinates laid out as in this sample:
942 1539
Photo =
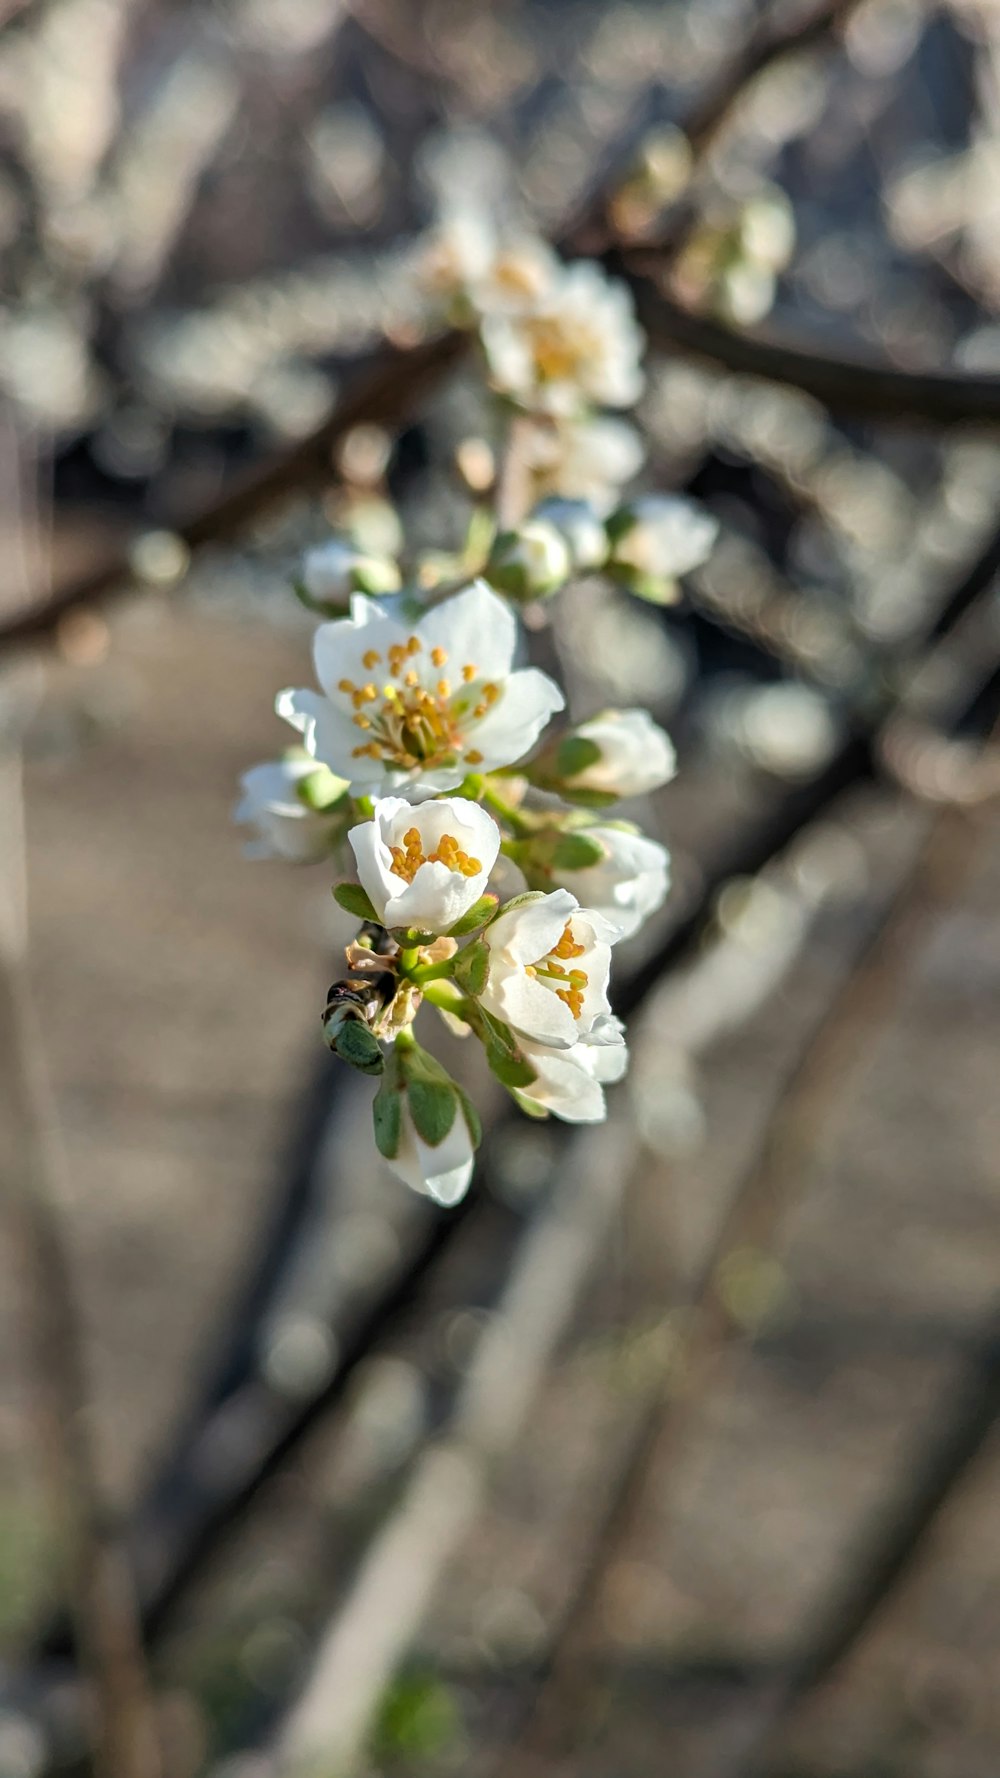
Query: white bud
580 529
662 535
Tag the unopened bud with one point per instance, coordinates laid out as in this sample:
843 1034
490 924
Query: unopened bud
531 562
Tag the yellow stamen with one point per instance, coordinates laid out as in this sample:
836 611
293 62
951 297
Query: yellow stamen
439 656
469 672
371 658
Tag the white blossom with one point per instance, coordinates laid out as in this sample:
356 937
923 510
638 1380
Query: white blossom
519 273
579 344
417 707
443 1172
456 254
628 884
336 569
635 754
548 968
663 535
570 1082
286 825
579 527
586 457
425 866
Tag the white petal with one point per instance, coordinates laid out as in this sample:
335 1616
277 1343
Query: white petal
526 702
475 626
529 931
374 865
523 1002
327 732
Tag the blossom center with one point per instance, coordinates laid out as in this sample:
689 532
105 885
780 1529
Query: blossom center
408 722
568 984
556 354
407 858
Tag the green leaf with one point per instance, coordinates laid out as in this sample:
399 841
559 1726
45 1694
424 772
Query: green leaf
506 1060
480 911
590 799
471 967
352 897
433 1107
574 754
387 1117
576 851
359 1046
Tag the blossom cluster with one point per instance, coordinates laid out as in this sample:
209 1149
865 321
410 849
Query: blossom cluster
474 837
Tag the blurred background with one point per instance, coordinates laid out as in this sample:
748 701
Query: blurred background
674 1450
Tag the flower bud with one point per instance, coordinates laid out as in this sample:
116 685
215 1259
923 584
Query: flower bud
655 539
425 1126
335 570
531 562
580 529
617 753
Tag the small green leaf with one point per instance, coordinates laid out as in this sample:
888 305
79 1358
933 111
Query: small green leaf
590 799
471 967
574 754
360 1047
433 1107
352 897
576 851
511 1071
387 1116
480 911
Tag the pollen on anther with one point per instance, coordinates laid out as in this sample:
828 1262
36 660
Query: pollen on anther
346 685
414 645
444 688
474 757
412 678
469 672
371 658
439 656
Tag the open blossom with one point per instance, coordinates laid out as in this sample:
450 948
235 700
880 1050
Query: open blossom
417 707
548 968
425 866
635 755
570 1083
628 884
579 344
442 1172
663 535
583 457
286 825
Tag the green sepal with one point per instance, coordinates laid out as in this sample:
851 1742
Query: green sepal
353 899
574 754
576 851
322 607
433 1107
321 790
480 912
471 967
387 1117
653 589
590 799
473 1121
530 1107
618 524
359 1046
503 1055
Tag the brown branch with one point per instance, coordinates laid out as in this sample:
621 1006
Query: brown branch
386 387
867 387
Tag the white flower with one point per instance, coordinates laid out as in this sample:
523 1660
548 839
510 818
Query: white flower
570 1082
628 884
531 561
579 344
416 708
443 1172
548 968
635 754
335 570
424 867
518 275
579 527
663 535
584 458
456 254
287 827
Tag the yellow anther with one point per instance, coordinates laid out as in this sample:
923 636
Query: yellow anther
371 658
469 672
346 685
361 721
474 757
480 710
491 693
444 688
414 645
439 656
411 678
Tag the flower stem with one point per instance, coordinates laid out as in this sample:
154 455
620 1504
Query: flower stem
431 972
506 811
